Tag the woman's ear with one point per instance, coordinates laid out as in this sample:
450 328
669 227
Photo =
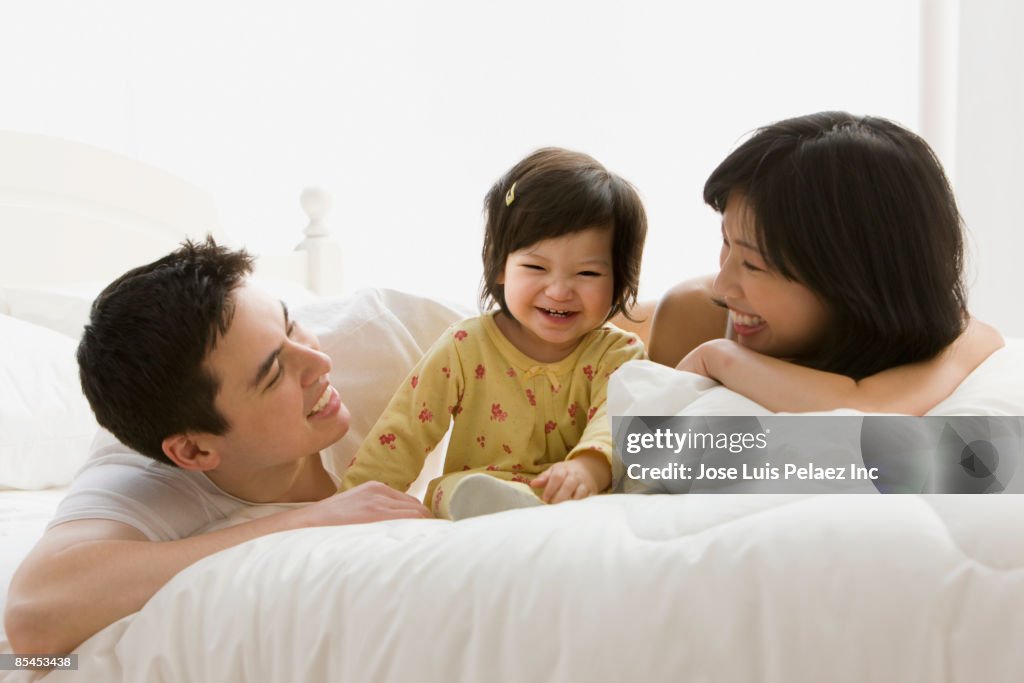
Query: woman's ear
184 451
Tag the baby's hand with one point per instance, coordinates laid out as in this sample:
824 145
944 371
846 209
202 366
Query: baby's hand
574 479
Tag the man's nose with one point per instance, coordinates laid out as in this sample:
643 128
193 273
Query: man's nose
313 363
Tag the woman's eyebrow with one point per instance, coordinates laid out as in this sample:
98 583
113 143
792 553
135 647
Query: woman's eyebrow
742 243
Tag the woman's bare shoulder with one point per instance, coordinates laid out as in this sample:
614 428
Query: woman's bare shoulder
685 318
977 342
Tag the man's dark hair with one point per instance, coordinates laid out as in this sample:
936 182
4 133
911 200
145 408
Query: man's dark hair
558 192
858 210
141 356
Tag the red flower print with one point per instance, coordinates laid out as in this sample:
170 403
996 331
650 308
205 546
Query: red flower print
455 409
549 426
437 498
461 334
497 413
632 340
588 370
511 372
465 467
414 381
426 415
508 449
531 396
517 467
388 440
572 409
492 468
591 412
482 440
480 372
521 479
447 372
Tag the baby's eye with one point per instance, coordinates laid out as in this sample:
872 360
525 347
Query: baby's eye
590 273
533 266
750 266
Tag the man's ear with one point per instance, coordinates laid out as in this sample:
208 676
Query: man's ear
185 452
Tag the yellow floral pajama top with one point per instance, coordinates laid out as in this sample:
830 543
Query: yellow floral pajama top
513 417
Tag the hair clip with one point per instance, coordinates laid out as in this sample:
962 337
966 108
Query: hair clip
510 196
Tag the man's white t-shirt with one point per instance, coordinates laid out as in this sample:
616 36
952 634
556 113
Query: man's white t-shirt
164 502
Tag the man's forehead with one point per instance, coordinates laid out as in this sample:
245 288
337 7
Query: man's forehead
253 332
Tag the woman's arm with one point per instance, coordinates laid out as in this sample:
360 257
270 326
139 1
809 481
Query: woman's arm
685 318
780 385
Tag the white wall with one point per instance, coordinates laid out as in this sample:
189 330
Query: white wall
407 111
990 155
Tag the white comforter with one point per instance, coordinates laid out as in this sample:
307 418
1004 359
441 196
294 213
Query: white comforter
643 588
656 588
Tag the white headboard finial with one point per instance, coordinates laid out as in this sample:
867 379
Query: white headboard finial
316 202
325 262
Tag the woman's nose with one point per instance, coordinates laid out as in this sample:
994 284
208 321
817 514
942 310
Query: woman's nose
726 283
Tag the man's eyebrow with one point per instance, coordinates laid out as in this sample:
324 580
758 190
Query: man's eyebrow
268 362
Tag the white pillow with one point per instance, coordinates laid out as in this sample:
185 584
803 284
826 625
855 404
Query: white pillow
374 338
62 308
996 387
46 424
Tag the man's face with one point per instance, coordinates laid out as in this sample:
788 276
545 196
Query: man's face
274 388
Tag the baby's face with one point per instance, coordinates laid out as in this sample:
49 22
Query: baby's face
558 290
767 312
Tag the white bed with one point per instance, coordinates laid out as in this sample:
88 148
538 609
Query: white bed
624 587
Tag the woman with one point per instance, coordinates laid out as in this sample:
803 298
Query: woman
841 274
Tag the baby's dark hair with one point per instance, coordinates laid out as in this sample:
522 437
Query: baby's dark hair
558 192
141 357
858 210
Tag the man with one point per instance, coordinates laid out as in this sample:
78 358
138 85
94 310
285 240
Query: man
228 404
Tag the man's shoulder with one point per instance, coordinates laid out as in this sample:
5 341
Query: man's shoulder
162 501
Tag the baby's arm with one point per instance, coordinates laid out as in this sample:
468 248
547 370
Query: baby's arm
780 385
414 422
587 468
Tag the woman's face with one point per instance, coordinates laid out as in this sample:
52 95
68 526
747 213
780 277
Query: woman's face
767 312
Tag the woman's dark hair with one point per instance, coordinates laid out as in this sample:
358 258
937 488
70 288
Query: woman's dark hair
558 192
858 210
141 356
